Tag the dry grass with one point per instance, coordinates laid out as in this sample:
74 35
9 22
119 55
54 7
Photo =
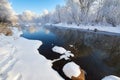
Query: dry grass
5 29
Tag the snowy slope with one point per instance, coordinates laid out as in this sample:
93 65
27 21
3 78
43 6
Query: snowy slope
20 60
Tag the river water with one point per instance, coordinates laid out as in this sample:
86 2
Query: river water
94 61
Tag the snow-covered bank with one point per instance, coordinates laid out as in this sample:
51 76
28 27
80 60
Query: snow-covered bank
89 27
20 60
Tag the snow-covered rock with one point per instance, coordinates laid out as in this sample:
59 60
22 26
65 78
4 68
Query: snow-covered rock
59 50
69 54
65 54
71 45
111 77
71 69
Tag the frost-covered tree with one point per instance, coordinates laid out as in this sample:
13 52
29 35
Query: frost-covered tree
73 9
79 10
58 13
27 16
85 12
94 14
7 14
84 9
66 15
45 17
111 11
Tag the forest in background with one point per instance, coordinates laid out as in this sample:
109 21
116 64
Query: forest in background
79 12
72 12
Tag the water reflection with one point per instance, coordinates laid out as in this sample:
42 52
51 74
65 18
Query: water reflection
96 52
49 41
32 29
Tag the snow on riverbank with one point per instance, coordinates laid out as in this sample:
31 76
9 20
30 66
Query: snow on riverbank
20 60
89 27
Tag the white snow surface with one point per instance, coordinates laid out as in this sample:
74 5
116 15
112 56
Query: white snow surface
59 50
20 60
71 69
90 27
111 77
65 54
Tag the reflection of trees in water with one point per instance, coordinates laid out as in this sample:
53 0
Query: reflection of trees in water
80 50
73 37
114 58
32 29
83 42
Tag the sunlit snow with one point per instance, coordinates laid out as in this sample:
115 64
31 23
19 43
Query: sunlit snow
71 69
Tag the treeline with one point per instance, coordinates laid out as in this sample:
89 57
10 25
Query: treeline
85 12
73 12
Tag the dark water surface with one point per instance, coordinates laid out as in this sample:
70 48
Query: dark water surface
94 61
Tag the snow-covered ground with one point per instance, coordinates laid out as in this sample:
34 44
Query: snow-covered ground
98 27
20 60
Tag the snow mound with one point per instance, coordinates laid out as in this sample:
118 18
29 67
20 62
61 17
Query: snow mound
71 69
111 77
65 54
68 54
71 45
59 50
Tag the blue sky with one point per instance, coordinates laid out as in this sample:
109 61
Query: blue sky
36 6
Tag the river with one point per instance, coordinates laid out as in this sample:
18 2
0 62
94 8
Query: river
92 53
